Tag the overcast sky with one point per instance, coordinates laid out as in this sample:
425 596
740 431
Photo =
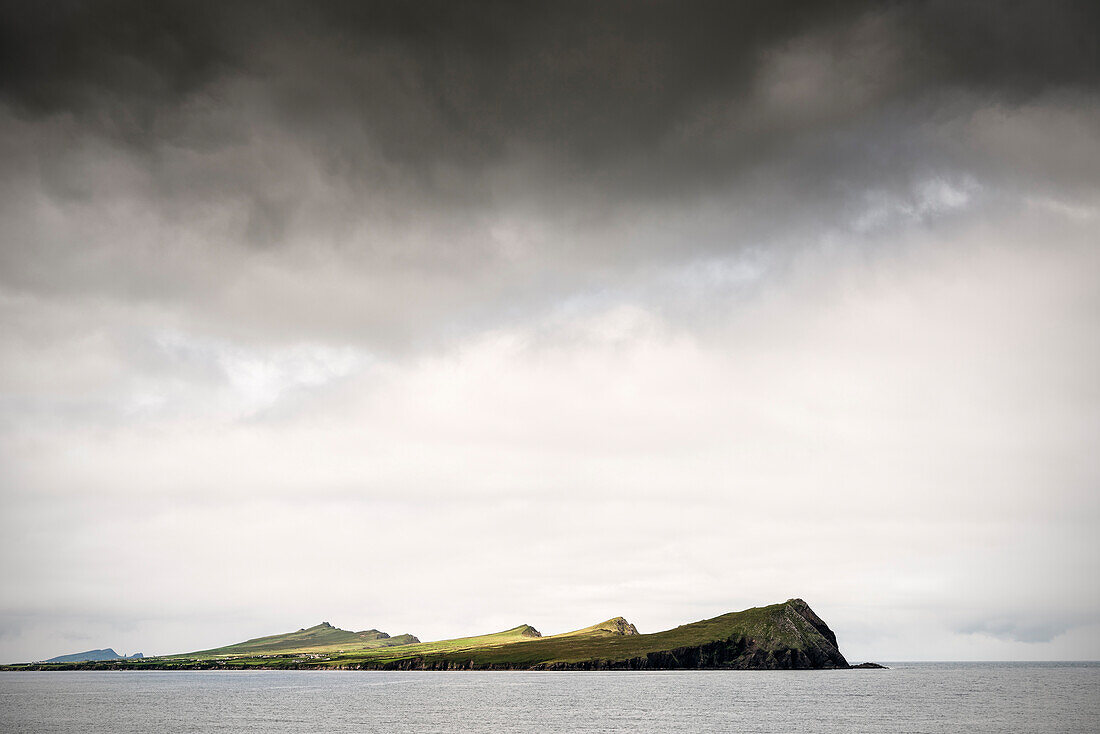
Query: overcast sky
444 317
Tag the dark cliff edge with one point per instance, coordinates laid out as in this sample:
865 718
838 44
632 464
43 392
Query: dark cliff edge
788 636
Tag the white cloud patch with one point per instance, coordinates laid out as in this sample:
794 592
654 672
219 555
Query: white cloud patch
925 201
903 439
253 380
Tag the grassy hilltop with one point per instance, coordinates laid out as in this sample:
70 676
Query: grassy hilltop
780 636
322 638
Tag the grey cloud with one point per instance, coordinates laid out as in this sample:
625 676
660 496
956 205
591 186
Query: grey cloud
641 97
417 106
1014 50
1019 629
228 159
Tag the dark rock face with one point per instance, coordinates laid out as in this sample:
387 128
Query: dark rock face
803 610
821 649
732 654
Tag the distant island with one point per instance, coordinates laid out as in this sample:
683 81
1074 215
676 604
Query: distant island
784 636
93 656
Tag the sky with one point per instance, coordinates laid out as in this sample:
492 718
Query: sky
442 317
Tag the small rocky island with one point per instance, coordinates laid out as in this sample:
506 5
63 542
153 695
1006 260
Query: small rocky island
786 636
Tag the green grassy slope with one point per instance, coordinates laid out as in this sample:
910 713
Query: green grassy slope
322 638
616 626
491 641
778 636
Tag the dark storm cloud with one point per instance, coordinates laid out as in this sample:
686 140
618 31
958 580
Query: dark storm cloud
454 160
406 136
580 75
614 91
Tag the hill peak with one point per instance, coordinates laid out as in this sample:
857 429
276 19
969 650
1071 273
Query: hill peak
526 630
614 627
800 608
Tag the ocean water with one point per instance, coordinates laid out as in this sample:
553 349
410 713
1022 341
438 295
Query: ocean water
910 698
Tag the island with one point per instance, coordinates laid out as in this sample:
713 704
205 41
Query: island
785 636
93 655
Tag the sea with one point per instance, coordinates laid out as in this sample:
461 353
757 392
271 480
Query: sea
912 698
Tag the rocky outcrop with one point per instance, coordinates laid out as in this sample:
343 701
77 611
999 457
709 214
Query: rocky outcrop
385 640
617 626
